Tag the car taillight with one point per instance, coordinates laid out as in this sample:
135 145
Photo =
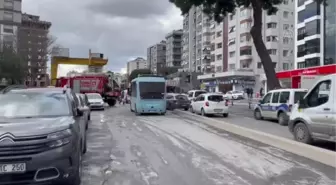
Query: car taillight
290 108
207 104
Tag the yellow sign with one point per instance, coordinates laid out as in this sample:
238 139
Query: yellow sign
202 86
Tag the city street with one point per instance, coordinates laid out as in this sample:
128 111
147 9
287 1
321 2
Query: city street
124 149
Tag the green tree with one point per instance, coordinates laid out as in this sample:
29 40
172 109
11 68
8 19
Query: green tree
135 73
12 67
219 9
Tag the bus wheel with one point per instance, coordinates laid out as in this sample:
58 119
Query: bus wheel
111 102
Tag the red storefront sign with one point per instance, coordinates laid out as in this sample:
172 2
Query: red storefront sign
321 70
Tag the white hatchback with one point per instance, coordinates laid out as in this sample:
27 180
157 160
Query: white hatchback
210 104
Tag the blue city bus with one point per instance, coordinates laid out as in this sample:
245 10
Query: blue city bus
148 94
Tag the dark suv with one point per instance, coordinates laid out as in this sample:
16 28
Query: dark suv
42 137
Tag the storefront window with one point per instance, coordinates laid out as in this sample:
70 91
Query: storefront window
330 33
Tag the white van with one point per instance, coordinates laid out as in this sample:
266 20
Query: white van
314 117
277 104
194 93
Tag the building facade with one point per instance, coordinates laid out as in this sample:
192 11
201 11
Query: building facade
156 56
244 68
10 20
174 48
196 39
138 63
316 34
34 44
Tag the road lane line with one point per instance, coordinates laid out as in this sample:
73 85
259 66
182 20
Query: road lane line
314 153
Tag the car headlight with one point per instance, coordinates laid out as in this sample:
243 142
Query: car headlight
60 138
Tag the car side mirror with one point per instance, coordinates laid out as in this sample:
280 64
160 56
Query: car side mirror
80 112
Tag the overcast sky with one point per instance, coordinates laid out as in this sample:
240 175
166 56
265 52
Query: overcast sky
121 29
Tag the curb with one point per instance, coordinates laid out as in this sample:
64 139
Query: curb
321 155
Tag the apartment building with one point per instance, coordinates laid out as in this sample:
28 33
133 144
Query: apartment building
244 65
196 41
33 45
138 63
10 20
315 44
174 48
156 56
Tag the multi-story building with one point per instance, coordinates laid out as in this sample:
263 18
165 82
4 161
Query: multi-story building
174 48
156 56
138 63
244 65
315 44
10 20
33 46
196 41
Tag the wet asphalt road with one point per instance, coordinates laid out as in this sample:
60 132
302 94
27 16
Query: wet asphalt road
124 149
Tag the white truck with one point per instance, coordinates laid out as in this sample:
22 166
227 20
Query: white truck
314 117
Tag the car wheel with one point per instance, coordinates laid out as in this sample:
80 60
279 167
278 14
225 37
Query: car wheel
89 118
301 133
282 119
163 113
85 145
257 114
185 109
202 112
76 178
225 115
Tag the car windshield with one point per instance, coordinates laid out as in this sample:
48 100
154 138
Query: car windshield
28 105
93 96
216 98
181 97
152 90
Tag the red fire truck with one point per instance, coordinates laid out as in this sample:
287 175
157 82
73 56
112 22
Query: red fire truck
93 83
306 77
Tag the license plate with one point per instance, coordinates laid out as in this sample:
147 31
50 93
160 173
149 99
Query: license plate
218 110
12 168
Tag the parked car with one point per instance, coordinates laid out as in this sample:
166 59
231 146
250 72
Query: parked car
84 103
177 101
194 93
234 95
210 104
277 104
43 139
96 101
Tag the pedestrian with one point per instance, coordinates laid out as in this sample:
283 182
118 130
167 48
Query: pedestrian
251 93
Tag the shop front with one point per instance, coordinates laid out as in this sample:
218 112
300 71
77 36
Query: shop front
295 78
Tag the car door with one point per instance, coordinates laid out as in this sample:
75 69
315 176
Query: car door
196 104
200 102
274 105
320 109
265 105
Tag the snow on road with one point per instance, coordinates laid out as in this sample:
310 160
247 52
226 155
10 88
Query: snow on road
165 150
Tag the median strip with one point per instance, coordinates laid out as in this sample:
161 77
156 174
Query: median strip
311 152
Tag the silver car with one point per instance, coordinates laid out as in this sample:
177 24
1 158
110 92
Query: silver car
84 103
96 101
42 137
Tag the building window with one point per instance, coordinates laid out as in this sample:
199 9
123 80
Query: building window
8 16
285 26
271 25
285 53
272 38
232 54
219 45
301 33
246 25
285 66
247 51
285 2
219 34
8 29
259 65
312 28
9 4
285 14
219 57
330 33
232 42
311 10
272 51
301 2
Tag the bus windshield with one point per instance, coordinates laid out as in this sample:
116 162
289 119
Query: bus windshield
152 90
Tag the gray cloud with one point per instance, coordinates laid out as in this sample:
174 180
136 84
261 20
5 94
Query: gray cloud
137 9
120 35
